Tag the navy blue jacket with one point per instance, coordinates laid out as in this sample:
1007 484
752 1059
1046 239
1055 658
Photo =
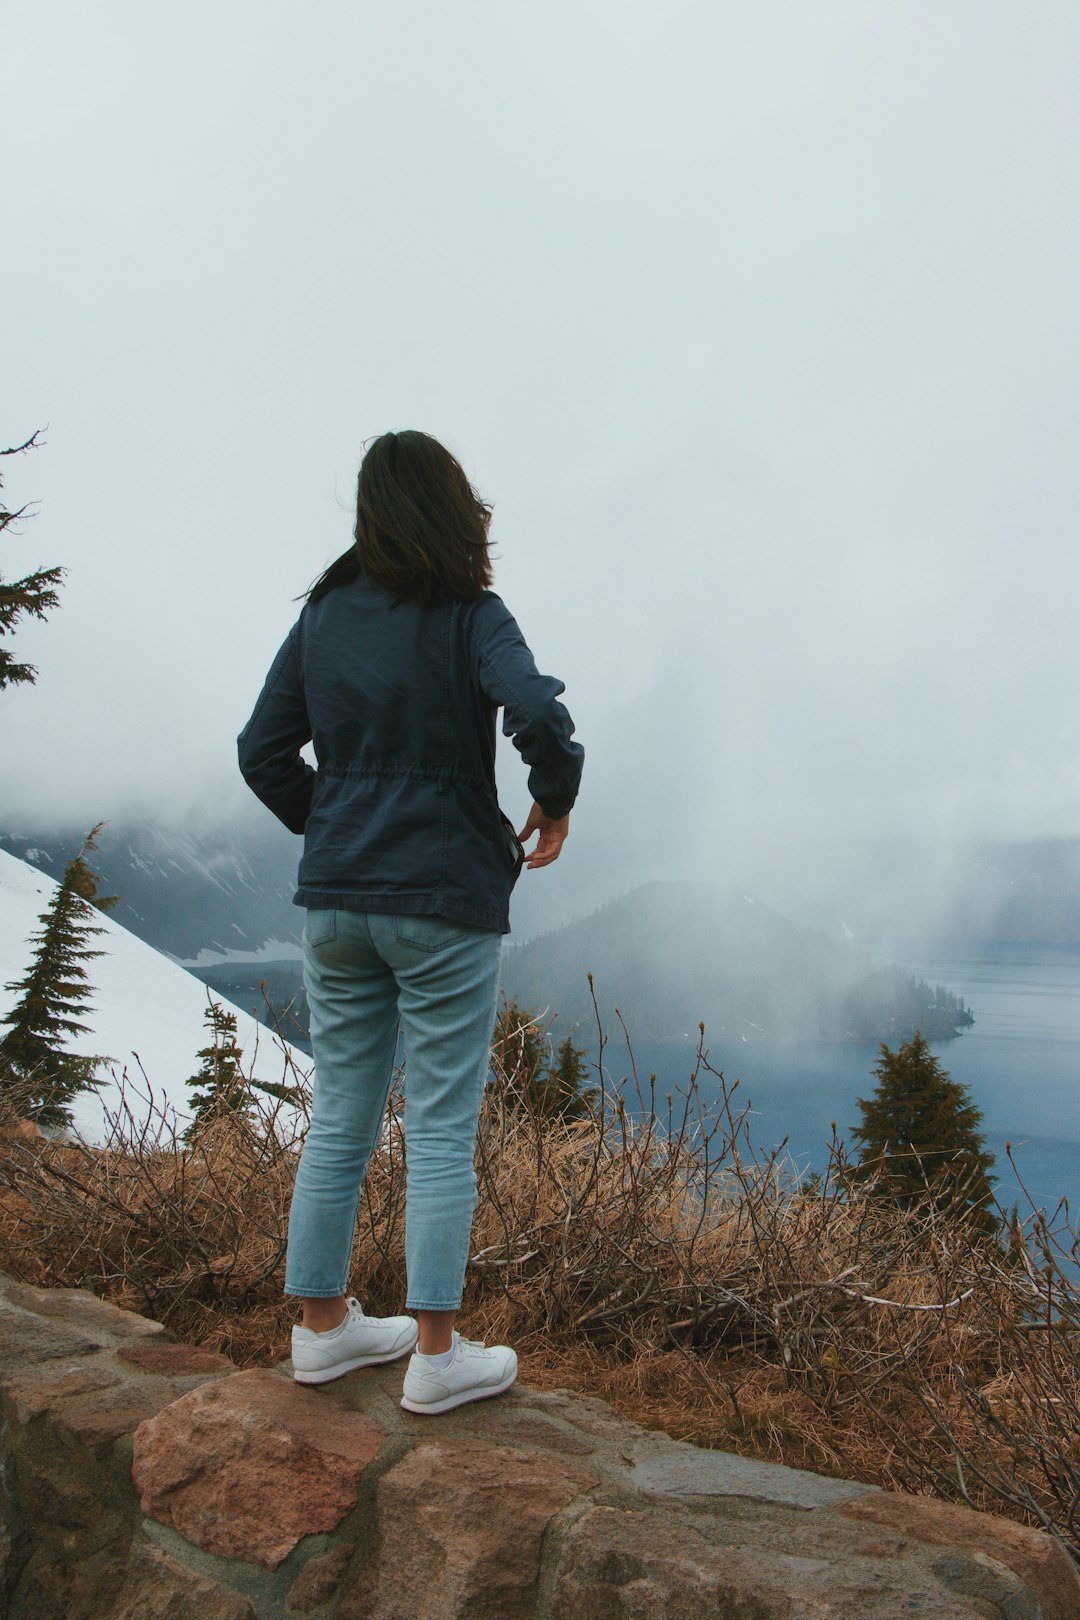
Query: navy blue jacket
400 702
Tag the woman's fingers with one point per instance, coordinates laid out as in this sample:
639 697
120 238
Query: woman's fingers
552 830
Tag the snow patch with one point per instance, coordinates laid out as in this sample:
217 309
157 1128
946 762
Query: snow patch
274 950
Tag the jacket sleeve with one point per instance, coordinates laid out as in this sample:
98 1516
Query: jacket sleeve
269 745
540 726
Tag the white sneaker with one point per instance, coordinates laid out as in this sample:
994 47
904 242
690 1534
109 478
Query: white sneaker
475 1373
359 1341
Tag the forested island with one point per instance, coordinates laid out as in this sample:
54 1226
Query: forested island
673 955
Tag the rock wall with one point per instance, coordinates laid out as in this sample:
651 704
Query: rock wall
146 1478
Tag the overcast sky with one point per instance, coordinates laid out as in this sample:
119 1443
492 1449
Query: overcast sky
757 323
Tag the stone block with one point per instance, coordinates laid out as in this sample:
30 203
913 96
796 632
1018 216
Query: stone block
174 1360
690 1472
48 1492
51 1387
513 1426
663 1564
81 1310
27 1340
460 1530
249 1465
319 1580
587 1412
1040 1562
82 1588
619 1564
156 1585
98 1421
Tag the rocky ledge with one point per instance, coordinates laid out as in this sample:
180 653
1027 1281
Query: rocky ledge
143 1477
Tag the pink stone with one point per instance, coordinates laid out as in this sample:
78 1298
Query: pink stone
175 1360
248 1465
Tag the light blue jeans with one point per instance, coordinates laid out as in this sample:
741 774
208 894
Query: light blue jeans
365 971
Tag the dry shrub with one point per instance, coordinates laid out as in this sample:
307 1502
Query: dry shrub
192 1235
646 1255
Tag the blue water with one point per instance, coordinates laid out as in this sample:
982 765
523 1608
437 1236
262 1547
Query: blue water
1020 1061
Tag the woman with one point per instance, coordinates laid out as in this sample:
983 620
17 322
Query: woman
395 671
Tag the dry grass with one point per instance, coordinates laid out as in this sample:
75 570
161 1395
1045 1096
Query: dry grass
658 1263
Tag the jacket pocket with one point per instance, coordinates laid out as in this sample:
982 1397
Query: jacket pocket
512 844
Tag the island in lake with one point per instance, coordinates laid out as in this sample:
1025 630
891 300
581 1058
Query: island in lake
672 955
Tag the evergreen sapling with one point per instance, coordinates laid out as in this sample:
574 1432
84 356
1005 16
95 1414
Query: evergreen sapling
220 1087
39 1076
919 1136
35 595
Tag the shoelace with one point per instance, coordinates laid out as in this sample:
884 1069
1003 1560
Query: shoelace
352 1307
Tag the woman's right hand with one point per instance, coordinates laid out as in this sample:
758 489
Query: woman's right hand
552 836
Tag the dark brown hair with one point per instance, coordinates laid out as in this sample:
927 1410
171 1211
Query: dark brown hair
421 529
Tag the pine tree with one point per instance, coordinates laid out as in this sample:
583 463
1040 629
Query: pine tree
39 1077
553 1088
563 1094
220 1087
919 1135
34 595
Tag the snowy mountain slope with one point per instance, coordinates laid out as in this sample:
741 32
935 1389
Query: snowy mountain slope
142 1004
221 887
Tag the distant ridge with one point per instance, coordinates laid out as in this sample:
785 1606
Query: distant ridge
223 888
671 955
